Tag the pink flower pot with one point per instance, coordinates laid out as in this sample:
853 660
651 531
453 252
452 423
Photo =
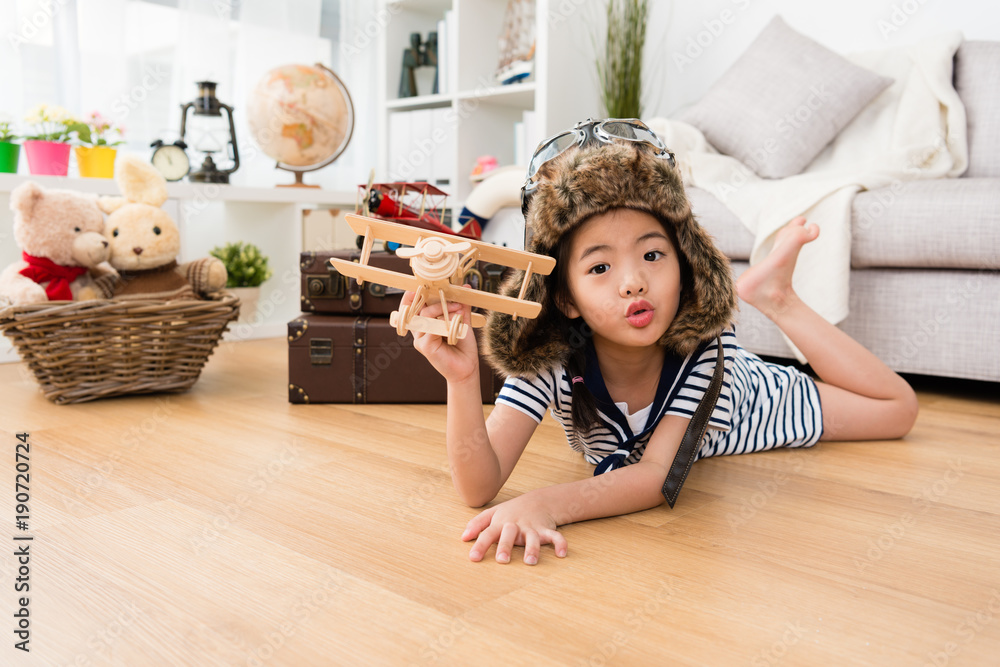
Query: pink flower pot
47 158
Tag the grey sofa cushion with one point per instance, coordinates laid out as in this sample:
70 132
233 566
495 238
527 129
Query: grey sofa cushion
945 223
731 236
782 101
977 80
932 322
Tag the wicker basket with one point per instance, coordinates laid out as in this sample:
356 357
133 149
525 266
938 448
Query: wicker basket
85 350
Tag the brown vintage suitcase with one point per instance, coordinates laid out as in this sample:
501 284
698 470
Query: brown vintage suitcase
324 290
361 359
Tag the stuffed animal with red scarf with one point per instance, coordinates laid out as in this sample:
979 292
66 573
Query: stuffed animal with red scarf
144 242
60 233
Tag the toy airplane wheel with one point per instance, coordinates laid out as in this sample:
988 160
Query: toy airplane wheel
400 317
454 329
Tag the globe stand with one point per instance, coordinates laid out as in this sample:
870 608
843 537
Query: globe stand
298 180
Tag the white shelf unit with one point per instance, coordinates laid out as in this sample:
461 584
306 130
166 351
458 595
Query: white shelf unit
209 215
480 112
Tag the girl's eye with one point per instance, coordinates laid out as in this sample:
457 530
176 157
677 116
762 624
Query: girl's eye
599 268
652 255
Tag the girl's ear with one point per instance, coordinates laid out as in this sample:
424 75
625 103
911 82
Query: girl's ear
566 306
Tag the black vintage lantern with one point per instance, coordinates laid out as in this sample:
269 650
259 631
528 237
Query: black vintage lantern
207 105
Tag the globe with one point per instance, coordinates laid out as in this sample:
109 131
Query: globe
301 116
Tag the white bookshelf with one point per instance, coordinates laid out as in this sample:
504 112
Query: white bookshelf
478 113
209 215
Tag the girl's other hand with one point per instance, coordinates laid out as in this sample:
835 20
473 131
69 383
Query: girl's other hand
521 522
458 362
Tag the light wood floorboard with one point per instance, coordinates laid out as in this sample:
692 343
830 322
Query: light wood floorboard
225 526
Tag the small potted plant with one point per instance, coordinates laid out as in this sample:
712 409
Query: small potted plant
247 268
96 155
48 147
9 151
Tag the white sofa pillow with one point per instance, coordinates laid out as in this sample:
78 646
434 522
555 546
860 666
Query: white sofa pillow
782 101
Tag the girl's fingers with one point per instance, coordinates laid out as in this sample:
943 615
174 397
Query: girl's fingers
506 543
532 547
478 524
557 540
483 543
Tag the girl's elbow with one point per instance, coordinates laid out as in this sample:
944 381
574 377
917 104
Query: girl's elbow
476 498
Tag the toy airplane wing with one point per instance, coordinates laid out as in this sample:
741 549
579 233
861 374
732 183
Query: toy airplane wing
490 301
374 274
371 228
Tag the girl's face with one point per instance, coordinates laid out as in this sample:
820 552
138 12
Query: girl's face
623 278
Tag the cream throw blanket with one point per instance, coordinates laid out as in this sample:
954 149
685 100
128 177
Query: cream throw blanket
914 129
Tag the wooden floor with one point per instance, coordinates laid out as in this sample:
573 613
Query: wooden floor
225 526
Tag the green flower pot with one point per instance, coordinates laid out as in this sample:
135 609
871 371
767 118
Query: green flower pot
9 154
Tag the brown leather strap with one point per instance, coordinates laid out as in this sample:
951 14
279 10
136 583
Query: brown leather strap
686 453
359 348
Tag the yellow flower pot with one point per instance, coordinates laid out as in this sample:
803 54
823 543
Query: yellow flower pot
96 161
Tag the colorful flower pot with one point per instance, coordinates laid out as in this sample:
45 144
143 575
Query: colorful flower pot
96 161
47 158
9 154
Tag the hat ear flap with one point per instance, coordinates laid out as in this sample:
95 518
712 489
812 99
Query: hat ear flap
708 309
524 346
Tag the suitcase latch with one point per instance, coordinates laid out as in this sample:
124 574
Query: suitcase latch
330 286
321 351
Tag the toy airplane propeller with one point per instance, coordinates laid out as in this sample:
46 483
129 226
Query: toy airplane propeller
439 265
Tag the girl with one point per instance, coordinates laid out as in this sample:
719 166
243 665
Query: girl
626 346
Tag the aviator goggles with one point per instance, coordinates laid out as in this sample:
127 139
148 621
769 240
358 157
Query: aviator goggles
628 130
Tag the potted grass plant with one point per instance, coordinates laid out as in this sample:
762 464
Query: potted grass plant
247 269
10 151
96 155
47 148
619 63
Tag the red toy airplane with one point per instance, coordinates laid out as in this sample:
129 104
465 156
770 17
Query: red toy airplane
417 204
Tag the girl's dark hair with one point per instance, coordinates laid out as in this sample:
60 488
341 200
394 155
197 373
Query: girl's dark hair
576 332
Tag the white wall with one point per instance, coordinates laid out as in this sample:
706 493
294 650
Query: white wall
690 44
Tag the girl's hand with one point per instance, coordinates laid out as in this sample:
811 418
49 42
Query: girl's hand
521 522
457 362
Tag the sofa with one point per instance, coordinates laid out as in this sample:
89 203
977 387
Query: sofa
924 281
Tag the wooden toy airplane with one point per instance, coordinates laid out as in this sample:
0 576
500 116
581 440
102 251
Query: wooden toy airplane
439 262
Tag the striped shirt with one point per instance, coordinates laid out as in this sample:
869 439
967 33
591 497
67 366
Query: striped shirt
762 405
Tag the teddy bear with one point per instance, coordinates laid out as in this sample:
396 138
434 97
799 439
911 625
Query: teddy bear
60 233
144 242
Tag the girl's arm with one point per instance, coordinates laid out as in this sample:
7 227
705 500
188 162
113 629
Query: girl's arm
531 519
481 454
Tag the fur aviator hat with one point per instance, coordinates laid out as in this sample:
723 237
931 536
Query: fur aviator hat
588 181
